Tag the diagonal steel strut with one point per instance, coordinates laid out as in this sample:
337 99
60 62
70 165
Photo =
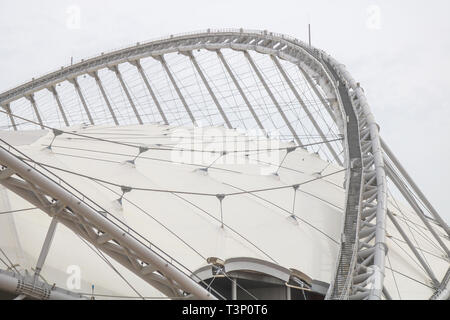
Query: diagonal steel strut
241 92
208 87
138 65
306 109
90 224
272 97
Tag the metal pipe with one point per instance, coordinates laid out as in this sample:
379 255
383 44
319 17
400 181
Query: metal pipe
52 89
137 64
23 285
36 111
74 225
234 289
306 109
414 186
211 93
74 81
105 97
272 97
177 89
116 70
415 206
66 198
45 248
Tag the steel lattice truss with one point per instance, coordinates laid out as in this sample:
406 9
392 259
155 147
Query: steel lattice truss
337 107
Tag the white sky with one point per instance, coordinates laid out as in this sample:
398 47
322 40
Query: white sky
398 50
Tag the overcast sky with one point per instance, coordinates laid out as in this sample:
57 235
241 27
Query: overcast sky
398 50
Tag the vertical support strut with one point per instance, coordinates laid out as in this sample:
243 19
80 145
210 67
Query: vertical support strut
52 89
105 97
234 289
74 81
288 293
241 92
205 82
138 65
127 93
272 97
172 80
305 107
36 111
45 248
7 108
414 186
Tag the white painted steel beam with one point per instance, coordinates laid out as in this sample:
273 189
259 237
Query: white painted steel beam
105 97
36 110
413 249
208 87
307 58
370 149
116 70
52 89
84 220
177 89
272 97
415 187
74 81
27 286
241 92
307 111
138 65
7 108
412 202
45 248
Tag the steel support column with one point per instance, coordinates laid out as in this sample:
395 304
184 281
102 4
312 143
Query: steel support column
36 111
45 248
74 81
52 89
288 293
105 97
241 92
234 288
177 89
272 97
127 93
138 65
81 217
318 94
7 108
205 82
306 109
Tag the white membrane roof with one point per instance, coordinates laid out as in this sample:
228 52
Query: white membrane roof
176 208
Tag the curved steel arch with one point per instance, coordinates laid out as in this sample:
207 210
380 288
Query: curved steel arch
360 267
